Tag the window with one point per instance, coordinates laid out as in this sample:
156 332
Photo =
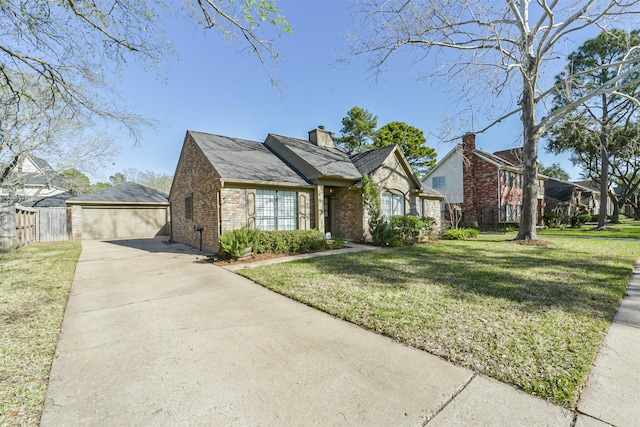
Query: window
392 204
508 179
276 210
518 181
518 212
437 182
508 213
188 207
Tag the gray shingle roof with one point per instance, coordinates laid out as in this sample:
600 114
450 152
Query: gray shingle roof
57 201
44 177
329 162
241 159
369 161
431 192
129 192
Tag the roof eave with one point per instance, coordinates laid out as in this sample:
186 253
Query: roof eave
247 182
112 203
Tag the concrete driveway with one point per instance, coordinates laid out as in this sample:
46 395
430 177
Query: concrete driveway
155 336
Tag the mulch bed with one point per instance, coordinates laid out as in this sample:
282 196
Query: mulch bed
263 257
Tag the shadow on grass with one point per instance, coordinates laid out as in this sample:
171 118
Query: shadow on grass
537 278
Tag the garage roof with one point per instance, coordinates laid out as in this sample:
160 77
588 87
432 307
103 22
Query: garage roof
127 193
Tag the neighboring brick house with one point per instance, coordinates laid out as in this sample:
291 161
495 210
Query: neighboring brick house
568 197
223 183
485 187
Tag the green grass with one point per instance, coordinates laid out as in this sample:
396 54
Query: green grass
628 229
34 287
531 316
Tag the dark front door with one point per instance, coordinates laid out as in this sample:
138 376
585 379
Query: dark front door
328 215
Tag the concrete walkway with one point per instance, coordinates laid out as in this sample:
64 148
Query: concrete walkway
154 336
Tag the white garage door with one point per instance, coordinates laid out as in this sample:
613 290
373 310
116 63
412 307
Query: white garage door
122 222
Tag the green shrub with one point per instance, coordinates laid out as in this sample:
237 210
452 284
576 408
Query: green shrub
289 241
429 224
578 220
236 242
337 243
511 226
396 242
406 228
460 233
381 232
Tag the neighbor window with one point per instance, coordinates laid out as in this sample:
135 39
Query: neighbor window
508 213
276 210
437 182
518 181
508 179
392 204
188 207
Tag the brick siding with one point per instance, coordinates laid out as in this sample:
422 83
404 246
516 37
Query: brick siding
196 177
348 214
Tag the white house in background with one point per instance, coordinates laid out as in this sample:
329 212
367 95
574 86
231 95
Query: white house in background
33 178
447 177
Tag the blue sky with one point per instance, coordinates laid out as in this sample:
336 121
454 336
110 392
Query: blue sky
215 87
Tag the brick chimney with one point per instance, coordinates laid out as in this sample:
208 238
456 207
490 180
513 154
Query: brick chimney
321 137
469 143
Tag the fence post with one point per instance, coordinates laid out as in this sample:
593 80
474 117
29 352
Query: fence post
8 237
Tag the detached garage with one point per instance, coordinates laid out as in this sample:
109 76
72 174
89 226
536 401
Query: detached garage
122 211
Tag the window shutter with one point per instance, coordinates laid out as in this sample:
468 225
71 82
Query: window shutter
303 216
251 209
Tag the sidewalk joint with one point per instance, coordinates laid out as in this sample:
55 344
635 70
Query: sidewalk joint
431 415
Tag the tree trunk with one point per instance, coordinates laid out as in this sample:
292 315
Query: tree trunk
528 222
604 166
615 215
604 187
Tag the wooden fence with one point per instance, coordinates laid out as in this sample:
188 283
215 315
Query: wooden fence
54 224
20 226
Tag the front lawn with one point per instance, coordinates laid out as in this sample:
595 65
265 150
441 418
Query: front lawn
532 316
628 229
34 288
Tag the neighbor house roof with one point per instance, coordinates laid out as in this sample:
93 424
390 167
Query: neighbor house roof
587 185
127 193
244 160
36 172
57 201
513 156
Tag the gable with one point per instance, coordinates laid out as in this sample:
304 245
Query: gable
449 175
241 160
395 174
312 161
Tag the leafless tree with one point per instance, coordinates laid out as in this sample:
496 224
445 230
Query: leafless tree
159 181
513 45
73 46
40 126
57 58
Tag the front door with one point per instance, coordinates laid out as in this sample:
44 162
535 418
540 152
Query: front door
328 215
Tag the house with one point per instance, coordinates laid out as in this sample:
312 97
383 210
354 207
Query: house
570 196
32 178
223 183
486 188
123 211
